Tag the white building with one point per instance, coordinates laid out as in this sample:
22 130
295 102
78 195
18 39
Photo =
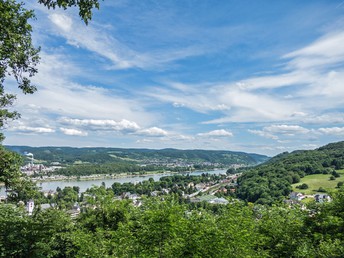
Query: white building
30 206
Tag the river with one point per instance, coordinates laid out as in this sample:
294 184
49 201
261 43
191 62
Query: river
84 184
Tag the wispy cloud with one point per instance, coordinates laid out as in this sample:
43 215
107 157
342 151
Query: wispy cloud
339 131
153 132
28 129
73 132
308 83
217 133
102 124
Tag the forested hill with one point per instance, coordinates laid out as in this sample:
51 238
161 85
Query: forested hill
272 180
69 155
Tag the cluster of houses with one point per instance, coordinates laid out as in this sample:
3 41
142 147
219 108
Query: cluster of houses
175 163
30 169
319 197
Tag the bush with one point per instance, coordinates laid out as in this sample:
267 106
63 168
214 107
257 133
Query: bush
340 184
321 189
303 186
332 178
335 173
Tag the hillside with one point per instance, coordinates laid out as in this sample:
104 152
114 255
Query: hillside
69 155
272 180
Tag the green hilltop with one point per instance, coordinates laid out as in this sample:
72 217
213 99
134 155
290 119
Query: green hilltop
272 180
70 155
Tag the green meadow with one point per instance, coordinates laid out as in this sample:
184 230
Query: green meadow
316 181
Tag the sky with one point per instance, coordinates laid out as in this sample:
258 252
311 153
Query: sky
255 76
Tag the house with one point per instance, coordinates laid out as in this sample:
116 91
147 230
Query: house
191 184
296 196
137 203
45 206
200 186
3 198
219 201
75 211
165 191
46 193
154 193
322 198
223 190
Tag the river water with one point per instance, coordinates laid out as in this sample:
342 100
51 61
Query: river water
85 184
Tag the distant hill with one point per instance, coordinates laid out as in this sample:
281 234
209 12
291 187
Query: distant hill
272 180
70 155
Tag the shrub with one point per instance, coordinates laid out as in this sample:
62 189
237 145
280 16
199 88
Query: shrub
303 186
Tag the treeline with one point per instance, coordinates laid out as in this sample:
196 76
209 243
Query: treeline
168 228
69 155
107 168
272 180
178 184
114 168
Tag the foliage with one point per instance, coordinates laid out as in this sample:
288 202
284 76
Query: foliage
176 183
18 56
315 181
271 181
85 6
302 186
167 228
69 155
18 187
18 60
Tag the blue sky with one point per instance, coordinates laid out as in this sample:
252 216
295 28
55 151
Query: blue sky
255 76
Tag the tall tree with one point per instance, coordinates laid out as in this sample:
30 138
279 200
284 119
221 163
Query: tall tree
18 56
18 60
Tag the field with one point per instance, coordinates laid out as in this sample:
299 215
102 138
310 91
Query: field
314 182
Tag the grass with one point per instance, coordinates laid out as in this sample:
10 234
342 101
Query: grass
314 182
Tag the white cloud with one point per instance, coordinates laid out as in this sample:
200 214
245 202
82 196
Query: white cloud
272 131
153 132
74 132
28 129
59 95
327 50
103 124
97 39
144 141
289 130
263 134
327 118
62 21
217 133
308 82
339 131
123 126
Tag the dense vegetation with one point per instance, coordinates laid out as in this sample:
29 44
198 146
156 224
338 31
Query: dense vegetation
107 168
176 183
68 155
172 226
272 180
169 228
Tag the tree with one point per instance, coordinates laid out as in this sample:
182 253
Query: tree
18 60
85 6
18 57
303 186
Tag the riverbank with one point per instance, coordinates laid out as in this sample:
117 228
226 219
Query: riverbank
85 183
112 176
